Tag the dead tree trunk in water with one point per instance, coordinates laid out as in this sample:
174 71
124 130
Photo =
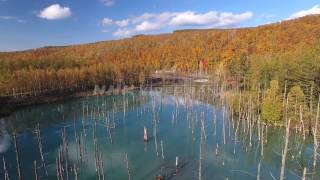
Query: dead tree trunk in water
315 145
162 153
304 174
285 150
262 140
127 166
145 134
39 140
200 154
17 156
259 167
35 170
302 129
6 174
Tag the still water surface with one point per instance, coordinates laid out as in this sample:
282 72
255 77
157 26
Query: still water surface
174 126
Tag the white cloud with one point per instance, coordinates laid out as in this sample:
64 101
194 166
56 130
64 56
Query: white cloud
106 21
142 17
55 12
210 19
108 2
314 10
124 33
151 22
191 18
146 26
160 18
122 23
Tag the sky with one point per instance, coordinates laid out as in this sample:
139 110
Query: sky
28 24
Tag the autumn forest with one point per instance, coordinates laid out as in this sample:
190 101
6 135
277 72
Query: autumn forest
260 54
224 103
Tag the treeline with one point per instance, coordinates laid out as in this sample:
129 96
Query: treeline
251 56
299 67
279 86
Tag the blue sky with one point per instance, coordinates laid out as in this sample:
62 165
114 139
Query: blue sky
26 24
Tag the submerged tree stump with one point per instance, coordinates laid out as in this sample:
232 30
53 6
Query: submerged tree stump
159 177
145 134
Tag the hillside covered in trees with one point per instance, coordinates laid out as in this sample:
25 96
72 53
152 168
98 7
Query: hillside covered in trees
288 51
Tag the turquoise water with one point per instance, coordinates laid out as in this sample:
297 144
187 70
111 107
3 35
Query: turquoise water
174 126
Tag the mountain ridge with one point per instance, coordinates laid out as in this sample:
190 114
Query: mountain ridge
305 18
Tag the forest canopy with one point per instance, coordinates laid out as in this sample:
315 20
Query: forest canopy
287 51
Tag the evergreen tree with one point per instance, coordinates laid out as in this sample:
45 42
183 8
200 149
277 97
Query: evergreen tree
296 99
271 105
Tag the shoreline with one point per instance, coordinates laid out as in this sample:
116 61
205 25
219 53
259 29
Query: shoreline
13 104
10 105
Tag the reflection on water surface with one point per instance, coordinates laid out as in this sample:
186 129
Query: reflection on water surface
102 138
